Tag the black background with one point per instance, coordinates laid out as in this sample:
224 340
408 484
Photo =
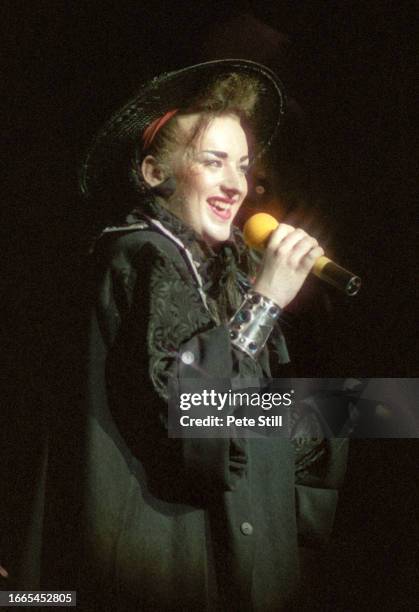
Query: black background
349 67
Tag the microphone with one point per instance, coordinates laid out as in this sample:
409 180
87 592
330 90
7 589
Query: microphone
259 227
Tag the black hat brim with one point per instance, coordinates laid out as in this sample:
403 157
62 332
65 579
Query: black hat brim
120 135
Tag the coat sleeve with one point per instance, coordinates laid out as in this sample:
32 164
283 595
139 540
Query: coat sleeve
151 317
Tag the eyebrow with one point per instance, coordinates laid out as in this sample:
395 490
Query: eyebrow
222 154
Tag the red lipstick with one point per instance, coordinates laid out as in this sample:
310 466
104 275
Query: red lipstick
219 208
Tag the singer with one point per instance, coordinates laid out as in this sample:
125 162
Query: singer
203 524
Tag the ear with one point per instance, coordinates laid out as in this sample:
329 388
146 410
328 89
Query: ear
152 172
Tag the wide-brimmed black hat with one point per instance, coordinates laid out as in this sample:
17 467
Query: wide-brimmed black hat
116 142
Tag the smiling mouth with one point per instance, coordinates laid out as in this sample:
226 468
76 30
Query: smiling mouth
223 210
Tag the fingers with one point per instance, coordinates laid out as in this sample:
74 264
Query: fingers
278 235
289 257
295 247
308 260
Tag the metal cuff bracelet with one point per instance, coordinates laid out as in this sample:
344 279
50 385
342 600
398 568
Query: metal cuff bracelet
253 323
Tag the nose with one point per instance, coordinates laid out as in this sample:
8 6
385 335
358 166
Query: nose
233 183
230 192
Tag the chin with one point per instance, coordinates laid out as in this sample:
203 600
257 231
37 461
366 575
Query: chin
215 236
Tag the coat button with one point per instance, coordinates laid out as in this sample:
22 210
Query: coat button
246 528
187 357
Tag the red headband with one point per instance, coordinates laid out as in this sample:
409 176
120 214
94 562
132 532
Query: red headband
152 129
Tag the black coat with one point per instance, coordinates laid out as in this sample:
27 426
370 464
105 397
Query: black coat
191 524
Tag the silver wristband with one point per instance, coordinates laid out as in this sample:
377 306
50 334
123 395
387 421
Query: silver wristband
253 323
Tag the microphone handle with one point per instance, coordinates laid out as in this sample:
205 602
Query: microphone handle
325 269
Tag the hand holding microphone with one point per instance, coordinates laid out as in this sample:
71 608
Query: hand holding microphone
290 255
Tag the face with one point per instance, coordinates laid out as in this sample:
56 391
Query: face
211 177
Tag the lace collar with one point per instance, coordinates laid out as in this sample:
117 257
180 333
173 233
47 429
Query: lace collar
199 248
